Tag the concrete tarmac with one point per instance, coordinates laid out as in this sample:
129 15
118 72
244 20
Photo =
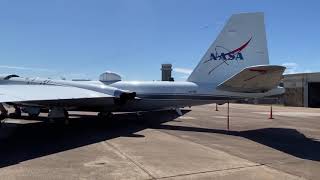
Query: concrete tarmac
162 145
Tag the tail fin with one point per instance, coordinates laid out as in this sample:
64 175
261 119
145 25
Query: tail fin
240 44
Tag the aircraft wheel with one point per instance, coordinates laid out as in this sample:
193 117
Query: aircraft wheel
58 116
66 117
2 116
66 114
33 115
15 115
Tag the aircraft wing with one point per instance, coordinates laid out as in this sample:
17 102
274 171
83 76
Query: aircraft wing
254 79
48 94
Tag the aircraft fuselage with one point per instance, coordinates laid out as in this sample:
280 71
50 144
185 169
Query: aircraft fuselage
153 95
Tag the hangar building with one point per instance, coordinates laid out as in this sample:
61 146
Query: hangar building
302 89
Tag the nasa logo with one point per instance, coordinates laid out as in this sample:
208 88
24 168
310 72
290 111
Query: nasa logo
224 54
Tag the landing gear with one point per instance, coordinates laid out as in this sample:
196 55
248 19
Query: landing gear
2 117
33 115
33 112
58 113
66 117
3 114
66 113
16 113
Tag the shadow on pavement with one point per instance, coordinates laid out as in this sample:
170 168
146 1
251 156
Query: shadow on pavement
28 141
289 141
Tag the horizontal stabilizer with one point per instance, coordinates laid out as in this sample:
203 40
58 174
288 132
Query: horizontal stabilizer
254 79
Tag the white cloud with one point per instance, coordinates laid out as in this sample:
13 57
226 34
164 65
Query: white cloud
290 64
293 68
182 70
25 68
43 72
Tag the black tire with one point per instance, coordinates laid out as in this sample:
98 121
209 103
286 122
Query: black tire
33 115
66 114
2 117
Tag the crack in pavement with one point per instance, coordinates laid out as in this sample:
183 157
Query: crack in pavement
128 158
208 147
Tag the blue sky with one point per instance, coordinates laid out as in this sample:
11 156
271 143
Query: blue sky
82 38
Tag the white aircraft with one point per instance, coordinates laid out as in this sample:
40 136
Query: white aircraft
234 67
